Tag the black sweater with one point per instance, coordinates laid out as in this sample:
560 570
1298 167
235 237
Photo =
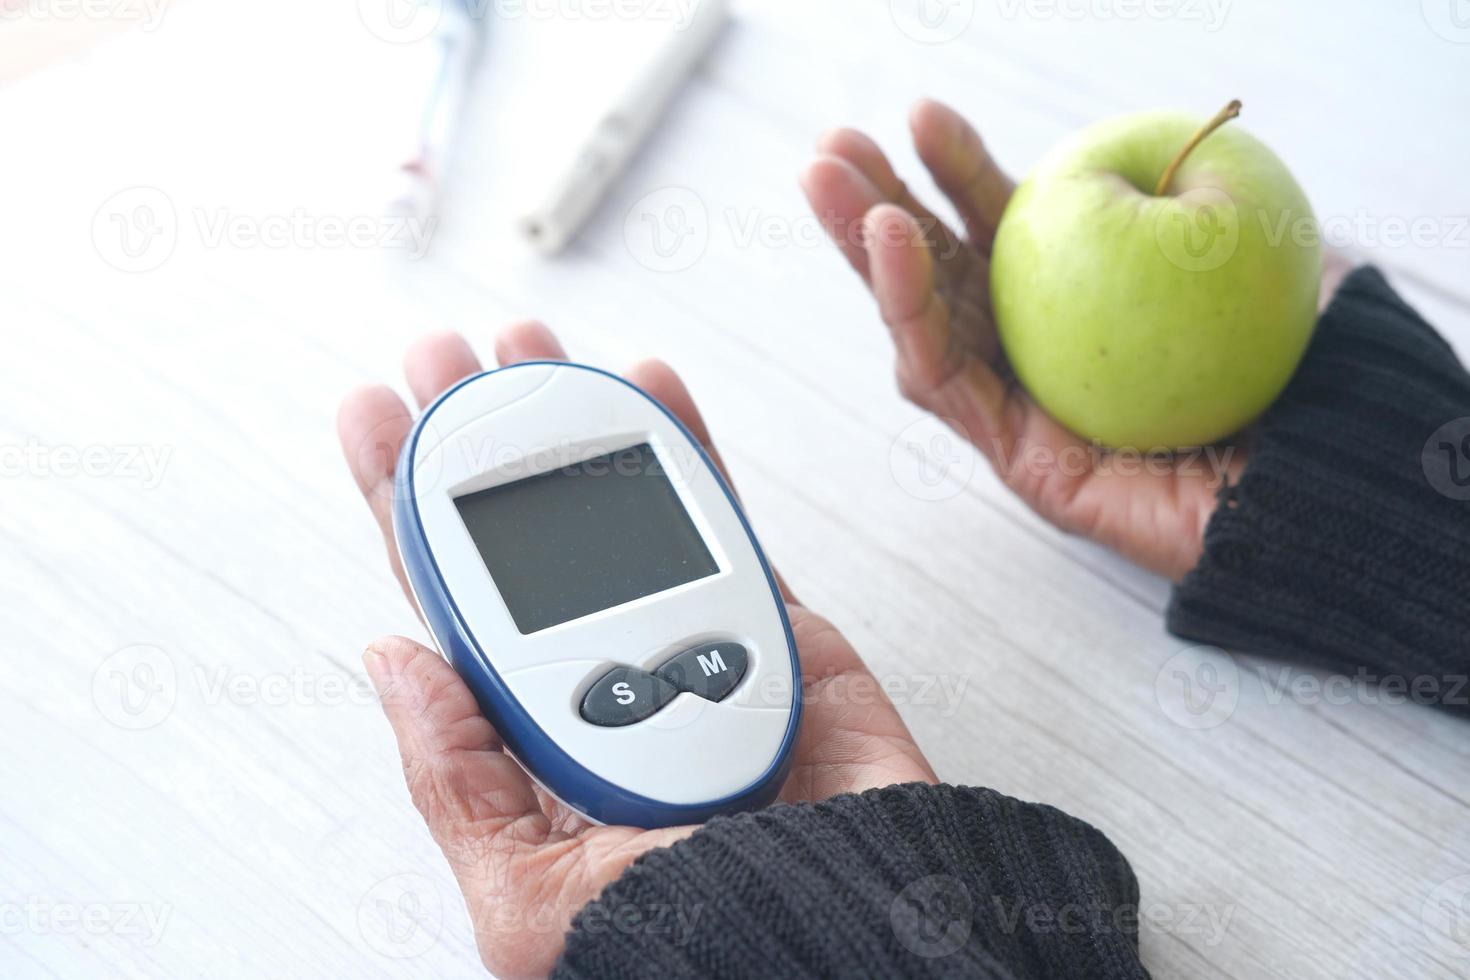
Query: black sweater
1346 544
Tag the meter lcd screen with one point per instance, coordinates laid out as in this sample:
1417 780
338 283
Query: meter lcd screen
584 538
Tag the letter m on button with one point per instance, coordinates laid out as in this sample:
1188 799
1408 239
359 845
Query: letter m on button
712 663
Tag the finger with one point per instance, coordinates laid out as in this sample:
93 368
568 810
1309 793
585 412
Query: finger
917 316
372 423
467 789
851 737
840 195
864 154
435 362
903 284
662 383
934 371
529 340
962 167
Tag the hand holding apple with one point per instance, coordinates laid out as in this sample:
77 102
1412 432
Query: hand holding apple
1144 289
933 291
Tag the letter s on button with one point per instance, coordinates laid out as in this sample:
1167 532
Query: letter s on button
624 695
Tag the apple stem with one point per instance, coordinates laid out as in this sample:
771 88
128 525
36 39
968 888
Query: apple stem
1221 118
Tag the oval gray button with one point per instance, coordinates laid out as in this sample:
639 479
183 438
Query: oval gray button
624 695
710 670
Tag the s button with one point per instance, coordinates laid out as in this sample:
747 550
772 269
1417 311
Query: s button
625 695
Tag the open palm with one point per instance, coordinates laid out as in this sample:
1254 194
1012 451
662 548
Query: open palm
932 288
525 862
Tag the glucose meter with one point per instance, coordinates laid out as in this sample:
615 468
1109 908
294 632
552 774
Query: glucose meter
589 574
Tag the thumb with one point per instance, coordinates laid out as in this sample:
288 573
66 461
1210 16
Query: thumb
483 811
461 780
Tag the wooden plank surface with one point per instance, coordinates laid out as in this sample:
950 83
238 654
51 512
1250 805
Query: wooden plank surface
249 818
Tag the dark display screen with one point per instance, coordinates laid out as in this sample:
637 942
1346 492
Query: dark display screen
583 538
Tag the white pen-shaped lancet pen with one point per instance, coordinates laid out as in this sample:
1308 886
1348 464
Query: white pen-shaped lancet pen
620 130
441 67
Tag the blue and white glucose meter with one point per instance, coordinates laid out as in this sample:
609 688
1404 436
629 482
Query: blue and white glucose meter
590 575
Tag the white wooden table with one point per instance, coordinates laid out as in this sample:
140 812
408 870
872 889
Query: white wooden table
197 781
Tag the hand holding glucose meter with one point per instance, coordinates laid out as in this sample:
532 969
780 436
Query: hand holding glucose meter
590 575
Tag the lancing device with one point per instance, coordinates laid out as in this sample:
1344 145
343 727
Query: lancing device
589 574
620 130
445 64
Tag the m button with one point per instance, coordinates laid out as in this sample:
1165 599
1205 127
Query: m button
710 670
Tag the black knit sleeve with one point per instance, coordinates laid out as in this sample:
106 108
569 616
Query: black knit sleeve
1346 542
906 881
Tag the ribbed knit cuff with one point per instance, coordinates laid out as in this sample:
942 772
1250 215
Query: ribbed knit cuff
913 881
1346 542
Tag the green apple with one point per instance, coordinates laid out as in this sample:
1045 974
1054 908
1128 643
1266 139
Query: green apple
1155 281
